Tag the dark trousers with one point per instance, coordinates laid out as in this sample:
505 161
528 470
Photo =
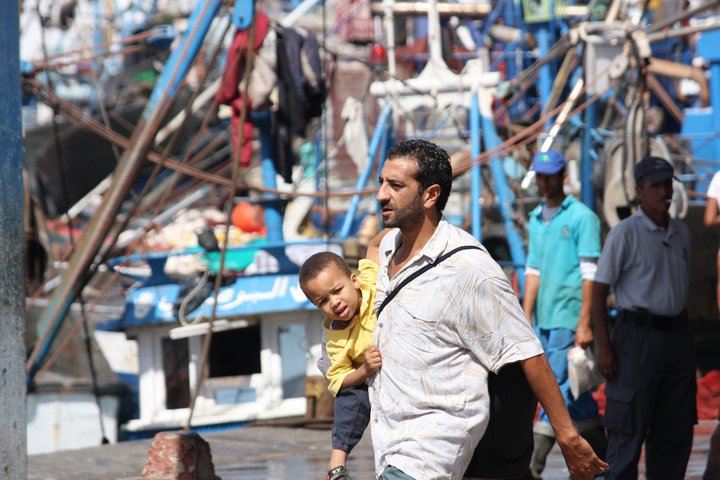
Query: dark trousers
652 400
352 415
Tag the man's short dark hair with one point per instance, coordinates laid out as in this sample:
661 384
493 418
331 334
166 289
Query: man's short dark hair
319 262
433 166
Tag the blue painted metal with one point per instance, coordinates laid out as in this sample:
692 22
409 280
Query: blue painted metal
544 38
380 131
475 170
218 427
702 125
242 14
506 199
73 278
273 213
388 138
152 302
13 418
162 37
498 11
251 295
708 48
512 54
182 58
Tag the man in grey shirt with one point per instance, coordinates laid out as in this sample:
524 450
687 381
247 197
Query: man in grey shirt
650 360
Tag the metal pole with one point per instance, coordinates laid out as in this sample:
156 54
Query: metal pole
273 214
72 280
708 47
380 127
506 197
13 417
544 40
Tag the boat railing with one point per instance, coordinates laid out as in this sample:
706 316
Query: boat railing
156 260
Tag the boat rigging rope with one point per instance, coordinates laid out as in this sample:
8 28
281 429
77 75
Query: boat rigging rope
235 165
64 194
47 94
47 63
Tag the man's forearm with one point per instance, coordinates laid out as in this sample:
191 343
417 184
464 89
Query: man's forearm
545 386
581 461
586 306
532 285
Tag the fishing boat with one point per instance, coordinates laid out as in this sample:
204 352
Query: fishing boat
211 210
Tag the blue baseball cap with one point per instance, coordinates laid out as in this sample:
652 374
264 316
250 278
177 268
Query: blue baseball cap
548 163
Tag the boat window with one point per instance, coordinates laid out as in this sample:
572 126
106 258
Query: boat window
235 352
293 357
175 355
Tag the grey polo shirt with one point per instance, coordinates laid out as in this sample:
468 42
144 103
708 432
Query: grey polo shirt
647 266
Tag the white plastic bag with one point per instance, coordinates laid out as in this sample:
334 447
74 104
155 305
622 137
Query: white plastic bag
582 371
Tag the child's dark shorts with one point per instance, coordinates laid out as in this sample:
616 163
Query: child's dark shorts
352 415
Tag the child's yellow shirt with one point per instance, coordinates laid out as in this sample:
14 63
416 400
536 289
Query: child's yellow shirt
346 348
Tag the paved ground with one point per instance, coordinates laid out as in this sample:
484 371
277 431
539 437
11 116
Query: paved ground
266 453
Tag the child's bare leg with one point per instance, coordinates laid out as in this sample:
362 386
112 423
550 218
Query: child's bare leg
337 458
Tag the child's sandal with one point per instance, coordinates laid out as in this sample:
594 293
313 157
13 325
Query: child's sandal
338 473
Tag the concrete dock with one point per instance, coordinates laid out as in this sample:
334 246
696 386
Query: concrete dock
269 453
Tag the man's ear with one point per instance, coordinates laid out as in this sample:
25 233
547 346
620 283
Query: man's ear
431 195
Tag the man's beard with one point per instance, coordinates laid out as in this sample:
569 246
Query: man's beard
407 217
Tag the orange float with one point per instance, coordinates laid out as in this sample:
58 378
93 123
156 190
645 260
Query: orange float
248 217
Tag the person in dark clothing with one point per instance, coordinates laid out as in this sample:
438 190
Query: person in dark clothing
649 361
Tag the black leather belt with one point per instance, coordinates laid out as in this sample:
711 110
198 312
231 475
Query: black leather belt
647 319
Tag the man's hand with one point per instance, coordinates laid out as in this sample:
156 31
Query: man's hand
607 365
583 336
373 360
580 458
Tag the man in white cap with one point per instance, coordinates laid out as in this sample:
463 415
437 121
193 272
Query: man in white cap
649 361
564 245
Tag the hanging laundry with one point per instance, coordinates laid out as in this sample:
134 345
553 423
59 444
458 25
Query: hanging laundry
301 93
355 132
230 91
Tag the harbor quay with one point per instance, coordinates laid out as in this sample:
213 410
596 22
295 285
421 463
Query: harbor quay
273 453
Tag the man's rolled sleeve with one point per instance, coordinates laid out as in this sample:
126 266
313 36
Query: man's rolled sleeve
589 236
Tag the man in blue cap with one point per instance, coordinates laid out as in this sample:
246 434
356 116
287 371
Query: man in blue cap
649 362
564 246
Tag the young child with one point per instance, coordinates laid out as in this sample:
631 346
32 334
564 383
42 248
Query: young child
346 300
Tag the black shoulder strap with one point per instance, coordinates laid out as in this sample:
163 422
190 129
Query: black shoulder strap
419 272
